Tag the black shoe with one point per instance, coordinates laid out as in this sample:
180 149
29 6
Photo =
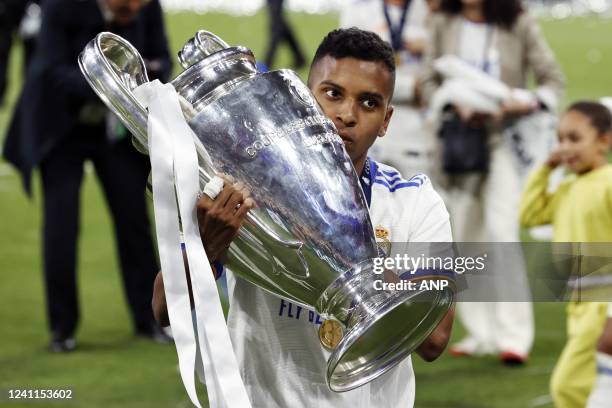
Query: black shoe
155 333
65 345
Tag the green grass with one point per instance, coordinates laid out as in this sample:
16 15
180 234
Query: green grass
112 369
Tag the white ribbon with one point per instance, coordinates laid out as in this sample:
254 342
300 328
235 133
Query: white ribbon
175 180
213 187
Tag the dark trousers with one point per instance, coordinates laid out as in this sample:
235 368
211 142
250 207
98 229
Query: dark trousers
123 173
281 31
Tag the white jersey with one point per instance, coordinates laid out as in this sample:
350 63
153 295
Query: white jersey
277 347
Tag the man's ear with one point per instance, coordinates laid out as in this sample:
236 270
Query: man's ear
383 128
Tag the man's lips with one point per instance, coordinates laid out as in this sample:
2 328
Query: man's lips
345 136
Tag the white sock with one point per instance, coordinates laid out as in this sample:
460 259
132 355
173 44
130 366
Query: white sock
601 395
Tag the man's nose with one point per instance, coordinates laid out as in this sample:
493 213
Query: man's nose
347 114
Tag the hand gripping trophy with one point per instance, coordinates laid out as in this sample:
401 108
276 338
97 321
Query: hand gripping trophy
309 240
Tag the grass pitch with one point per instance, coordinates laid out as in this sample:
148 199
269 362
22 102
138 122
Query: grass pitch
113 369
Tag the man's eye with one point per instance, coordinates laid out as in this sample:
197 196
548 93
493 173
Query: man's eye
332 93
370 103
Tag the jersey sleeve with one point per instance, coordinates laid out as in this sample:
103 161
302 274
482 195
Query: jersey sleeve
431 221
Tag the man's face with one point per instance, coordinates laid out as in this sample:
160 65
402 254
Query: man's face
355 95
124 11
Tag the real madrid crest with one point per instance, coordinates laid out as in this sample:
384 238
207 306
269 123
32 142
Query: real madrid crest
382 239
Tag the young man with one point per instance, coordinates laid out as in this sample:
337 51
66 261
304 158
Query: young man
282 361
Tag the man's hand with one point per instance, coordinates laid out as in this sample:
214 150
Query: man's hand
435 344
220 219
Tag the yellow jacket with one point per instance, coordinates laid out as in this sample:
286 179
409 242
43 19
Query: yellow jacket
580 210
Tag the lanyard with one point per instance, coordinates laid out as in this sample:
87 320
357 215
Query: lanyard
366 179
395 31
486 63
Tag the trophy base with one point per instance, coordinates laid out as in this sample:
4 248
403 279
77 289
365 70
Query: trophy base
381 327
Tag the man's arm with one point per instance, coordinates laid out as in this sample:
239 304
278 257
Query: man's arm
219 221
432 225
437 341
55 60
160 309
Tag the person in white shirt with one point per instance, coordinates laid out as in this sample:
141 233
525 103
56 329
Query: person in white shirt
281 359
408 145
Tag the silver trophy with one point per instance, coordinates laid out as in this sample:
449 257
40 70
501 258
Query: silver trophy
310 239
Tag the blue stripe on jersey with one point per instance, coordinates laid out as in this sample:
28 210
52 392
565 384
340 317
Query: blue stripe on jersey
395 186
391 180
391 177
389 173
420 178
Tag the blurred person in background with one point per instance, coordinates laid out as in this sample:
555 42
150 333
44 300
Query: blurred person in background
280 31
601 394
402 23
17 16
59 123
503 41
585 132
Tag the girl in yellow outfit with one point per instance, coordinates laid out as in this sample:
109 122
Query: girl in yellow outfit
580 210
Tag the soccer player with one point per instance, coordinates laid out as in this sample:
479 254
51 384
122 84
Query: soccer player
281 359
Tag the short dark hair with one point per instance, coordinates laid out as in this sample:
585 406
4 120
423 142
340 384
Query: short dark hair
599 114
499 12
355 43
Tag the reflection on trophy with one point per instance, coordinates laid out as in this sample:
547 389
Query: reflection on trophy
310 239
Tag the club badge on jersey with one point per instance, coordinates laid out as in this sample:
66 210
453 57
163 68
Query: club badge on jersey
382 238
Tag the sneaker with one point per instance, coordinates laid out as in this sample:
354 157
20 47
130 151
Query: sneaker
469 346
464 348
512 359
155 333
65 345
458 352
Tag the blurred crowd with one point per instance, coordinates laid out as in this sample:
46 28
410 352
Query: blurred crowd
464 114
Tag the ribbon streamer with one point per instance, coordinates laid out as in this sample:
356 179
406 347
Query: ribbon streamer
175 181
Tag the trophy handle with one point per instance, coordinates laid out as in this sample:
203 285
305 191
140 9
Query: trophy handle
113 68
203 44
